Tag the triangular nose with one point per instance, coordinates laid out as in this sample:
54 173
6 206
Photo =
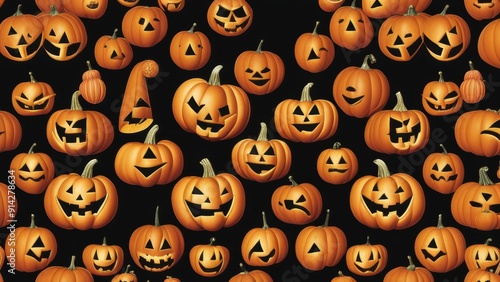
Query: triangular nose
445 40
350 27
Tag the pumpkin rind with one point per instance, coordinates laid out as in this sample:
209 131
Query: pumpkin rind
190 50
144 26
366 259
314 52
113 52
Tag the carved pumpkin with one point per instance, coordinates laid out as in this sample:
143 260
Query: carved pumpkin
256 275
89 9
397 131
446 36
92 87
343 278
337 165
483 256
45 5
443 172
440 248
209 260
383 9
149 163
361 91
481 275
440 97
171 279
351 28
473 87
477 204
409 273
113 52
126 276
259 72
38 250
261 160
317 247
477 132
79 132
64 35
330 5
209 202
230 17
482 10
57 273
33 98
103 259
314 52
264 246
33 171
387 201
401 36
22 36
487 44
128 3
171 5
144 26
156 248
297 203
81 202
366 259
8 211
306 120
10 131
190 50
211 110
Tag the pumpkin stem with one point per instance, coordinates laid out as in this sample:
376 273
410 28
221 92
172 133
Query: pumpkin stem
488 241
104 243
292 180
327 218
32 78
441 79
264 220
440 221
444 10
243 268
471 65
18 11
157 216
208 170
383 170
191 30
336 145
53 10
72 265
88 169
444 149
306 93
89 65
367 240
32 222
127 268
259 47
411 11
365 65
315 30
115 33
400 105
151 136
214 76
353 4
483 177
30 151
212 240
263 132
75 104
411 266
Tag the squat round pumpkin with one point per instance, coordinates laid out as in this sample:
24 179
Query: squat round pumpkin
190 50
230 17
57 273
487 43
256 275
314 52
113 52
443 172
93 9
337 165
483 256
476 132
481 275
343 278
103 259
209 260
440 97
33 171
330 5
144 26
126 276
480 10
10 131
351 28
171 5
366 259
33 98
473 87
409 273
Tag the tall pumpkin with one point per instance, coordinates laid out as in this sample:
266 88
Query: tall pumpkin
473 87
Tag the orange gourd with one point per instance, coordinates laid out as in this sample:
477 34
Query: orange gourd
473 87
483 256
209 260
113 52
144 26
92 87
487 43
33 98
103 259
440 97
443 172
337 165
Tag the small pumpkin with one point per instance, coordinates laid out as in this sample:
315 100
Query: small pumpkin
483 256
256 275
366 259
171 279
443 172
473 87
45 5
8 211
10 131
103 259
128 3
330 5
481 275
209 260
113 52
351 28
230 17
477 132
126 276
171 5
89 9
487 44
57 273
144 26
92 87
409 273
337 165
441 97
33 98
190 50
480 10
314 52
342 278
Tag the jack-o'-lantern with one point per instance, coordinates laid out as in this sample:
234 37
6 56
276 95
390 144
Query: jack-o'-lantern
89 9
10 131
261 159
22 36
157 247
211 110
297 203
79 132
401 36
383 9
64 35
190 50
8 211
45 5
135 111
478 132
256 275
351 28
59 273
337 165
361 91
149 163
38 250
209 260
398 131
487 44
472 87
482 10
103 259
169 278
33 171
443 172
446 36
113 52
441 97
440 248
330 5
387 201
259 72
314 52
209 202
144 26
171 5
409 273
317 247
481 275
366 259
126 276
306 120
264 246
32 98
128 3
477 204
230 17
81 202
483 256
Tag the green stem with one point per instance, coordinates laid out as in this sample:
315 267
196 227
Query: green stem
151 136
306 93
215 76
263 132
88 169
208 170
484 180
383 170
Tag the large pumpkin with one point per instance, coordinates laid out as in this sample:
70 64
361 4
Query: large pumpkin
483 256
477 132
487 43
190 50
58 273
256 275
209 260
337 165
443 172
103 259
33 98
409 273
440 97
366 259
230 17
113 52
314 52
482 10
10 131
144 26
351 28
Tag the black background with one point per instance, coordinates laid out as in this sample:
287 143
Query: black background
279 23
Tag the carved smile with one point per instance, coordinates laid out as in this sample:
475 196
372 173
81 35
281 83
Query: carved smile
56 51
214 127
196 210
290 205
69 208
369 269
305 127
427 255
155 263
72 137
399 208
148 171
30 49
260 168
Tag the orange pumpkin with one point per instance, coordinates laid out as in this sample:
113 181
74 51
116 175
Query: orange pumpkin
366 259
8 211
58 273
383 9
171 5
92 87
10 131
473 87
480 10
45 5
190 50
230 17
410 273
476 132
113 52
487 43
397 131
337 165
351 28
314 52
89 9
126 276
481 275
443 172
343 278
209 260
33 98
144 26
128 3
103 259
441 97
256 275
259 72
171 279
483 256
330 5
440 248
261 160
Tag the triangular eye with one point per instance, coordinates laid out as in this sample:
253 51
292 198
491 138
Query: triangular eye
24 168
371 256
38 243
486 196
477 256
224 192
96 257
298 111
269 151
390 31
266 69
314 110
197 191
454 30
91 190
432 96
249 70
435 167
256 248
375 188
149 154
399 190
149 245
314 249
70 190
447 167
24 96
301 199
108 257
432 244
342 160
12 31
488 257
141 103
329 161
213 257
358 258
201 256
38 168
165 245
254 151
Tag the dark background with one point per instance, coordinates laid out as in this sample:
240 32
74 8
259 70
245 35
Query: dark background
279 23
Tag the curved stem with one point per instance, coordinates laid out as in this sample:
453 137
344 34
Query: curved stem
88 169
292 180
372 59
264 221
242 266
259 47
212 240
400 105
191 30
353 4
263 132
115 33
488 241
483 177
411 265
18 11
444 149
151 136
208 170
215 76
32 78
72 265
383 170
75 104
337 145
30 151
306 93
